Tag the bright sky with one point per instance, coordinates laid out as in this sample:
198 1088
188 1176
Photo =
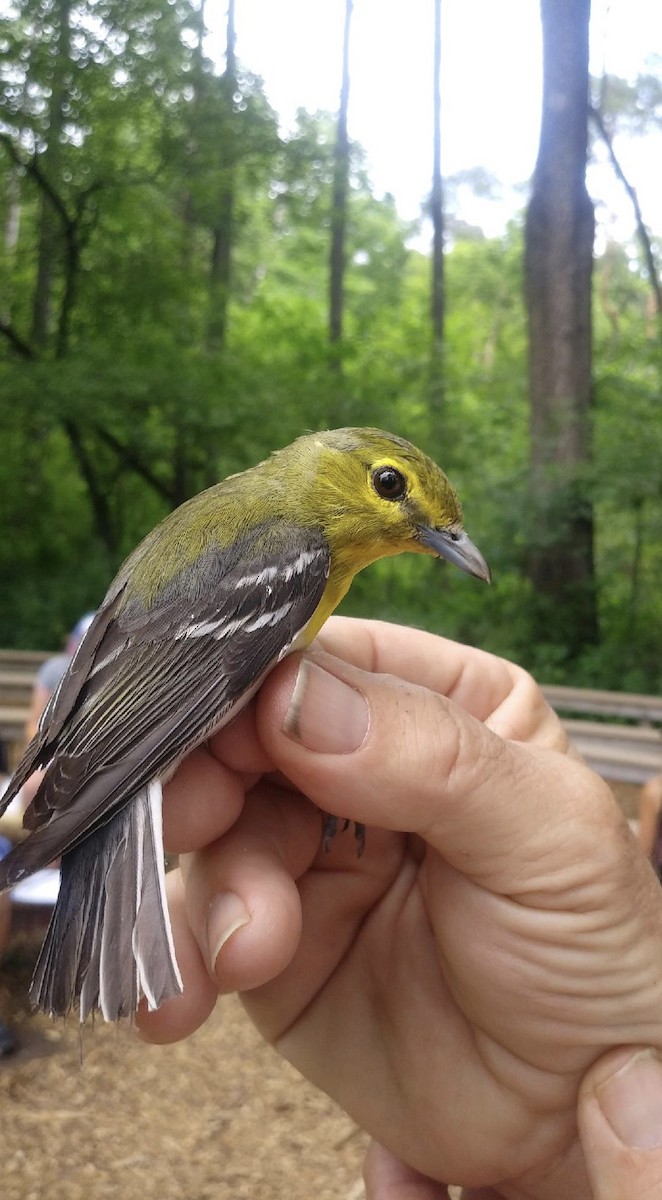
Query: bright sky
490 91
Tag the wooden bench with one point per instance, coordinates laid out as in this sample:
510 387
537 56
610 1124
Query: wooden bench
16 688
12 731
28 661
621 753
625 705
17 674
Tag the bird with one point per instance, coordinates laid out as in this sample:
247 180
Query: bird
226 586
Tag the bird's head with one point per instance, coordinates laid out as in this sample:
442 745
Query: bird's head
383 496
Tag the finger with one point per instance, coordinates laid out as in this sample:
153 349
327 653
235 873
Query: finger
388 1178
384 752
244 900
489 687
181 1016
237 921
272 862
525 716
620 1125
476 680
201 801
243 904
237 745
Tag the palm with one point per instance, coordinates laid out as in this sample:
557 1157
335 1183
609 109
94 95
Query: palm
386 1008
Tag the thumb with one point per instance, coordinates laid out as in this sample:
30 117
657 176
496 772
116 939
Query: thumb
385 752
620 1125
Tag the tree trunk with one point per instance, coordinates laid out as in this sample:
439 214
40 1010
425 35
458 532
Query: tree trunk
437 214
10 239
101 508
188 224
337 260
49 221
558 267
223 232
70 276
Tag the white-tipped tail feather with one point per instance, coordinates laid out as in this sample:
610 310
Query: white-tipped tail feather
158 973
109 940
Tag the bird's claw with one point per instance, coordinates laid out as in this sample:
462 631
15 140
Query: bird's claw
330 829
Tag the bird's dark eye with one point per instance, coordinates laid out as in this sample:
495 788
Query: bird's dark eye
389 483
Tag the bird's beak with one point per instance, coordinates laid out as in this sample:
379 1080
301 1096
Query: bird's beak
457 548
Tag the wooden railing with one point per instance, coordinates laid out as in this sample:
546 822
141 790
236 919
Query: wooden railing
619 734
625 744
17 673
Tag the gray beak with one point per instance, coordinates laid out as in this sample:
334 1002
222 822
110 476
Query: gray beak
456 548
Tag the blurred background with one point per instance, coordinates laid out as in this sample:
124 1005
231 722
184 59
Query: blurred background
222 225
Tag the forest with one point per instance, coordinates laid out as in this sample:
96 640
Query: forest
184 287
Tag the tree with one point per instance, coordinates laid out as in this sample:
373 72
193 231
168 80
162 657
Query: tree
339 202
558 267
437 214
223 228
637 107
49 217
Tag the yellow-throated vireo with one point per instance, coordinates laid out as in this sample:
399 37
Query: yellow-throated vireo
208 603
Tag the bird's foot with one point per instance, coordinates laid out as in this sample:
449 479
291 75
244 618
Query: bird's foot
330 829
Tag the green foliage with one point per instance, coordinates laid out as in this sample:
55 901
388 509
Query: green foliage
107 426
632 106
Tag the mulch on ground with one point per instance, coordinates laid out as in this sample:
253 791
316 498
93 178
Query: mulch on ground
218 1117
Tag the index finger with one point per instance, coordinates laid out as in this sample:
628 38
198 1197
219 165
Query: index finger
492 689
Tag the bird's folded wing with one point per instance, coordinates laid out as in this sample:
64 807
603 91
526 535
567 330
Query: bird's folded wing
160 678
63 700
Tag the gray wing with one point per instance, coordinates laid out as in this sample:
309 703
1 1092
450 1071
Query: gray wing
152 682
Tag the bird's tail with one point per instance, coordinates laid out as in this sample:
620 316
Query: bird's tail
109 940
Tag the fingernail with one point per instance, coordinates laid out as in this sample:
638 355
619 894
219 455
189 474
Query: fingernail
631 1101
227 913
325 713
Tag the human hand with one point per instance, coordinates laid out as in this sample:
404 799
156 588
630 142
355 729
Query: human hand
502 930
620 1125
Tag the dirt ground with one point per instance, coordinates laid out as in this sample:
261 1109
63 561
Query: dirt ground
218 1117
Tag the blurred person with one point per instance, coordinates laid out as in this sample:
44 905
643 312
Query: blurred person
7 1036
51 672
48 677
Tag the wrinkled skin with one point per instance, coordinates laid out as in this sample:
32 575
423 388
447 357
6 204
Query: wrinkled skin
451 987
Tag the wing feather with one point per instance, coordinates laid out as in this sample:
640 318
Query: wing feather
63 701
156 680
